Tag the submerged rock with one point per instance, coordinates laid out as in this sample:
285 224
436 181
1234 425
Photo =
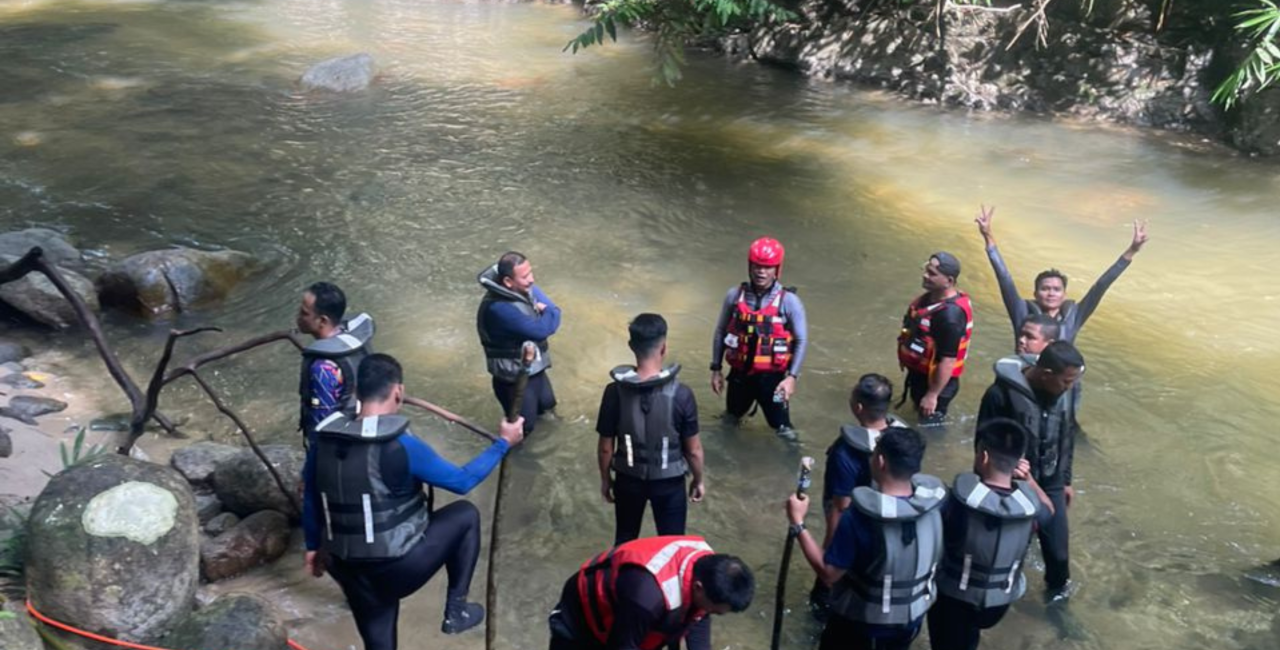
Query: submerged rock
197 462
341 75
35 296
173 280
11 351
34 407
244 485
240 621
113 548
57 249
20 380
258 539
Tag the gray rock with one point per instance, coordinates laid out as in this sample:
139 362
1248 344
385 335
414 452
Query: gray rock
55 246
240 621
35 296
258 539
221 523
244 485
1256 124
13 351
341 75
34 407
198 461
17 632
6 443
207 507
11 367
178 279
113 548
19 380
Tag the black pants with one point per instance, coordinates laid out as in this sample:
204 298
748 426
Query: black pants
918 385
539 397
957 625
566 632
666 496
374 588
758 388
844 634
1053 542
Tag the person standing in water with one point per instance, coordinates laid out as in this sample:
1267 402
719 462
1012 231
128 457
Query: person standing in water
328 380
1051 285
648 426
513 311
1036 333
934 340
762 333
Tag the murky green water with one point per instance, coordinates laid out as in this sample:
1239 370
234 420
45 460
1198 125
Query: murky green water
138 125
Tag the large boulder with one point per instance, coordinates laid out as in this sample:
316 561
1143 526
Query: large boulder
258 539
1256 124
197 462
173 280
344 74
35 296
54 244
244 485
113 548
240 621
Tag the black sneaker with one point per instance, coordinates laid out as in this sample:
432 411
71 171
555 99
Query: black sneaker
788 434
462 618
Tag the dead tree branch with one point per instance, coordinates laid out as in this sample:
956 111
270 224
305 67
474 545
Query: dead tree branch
451 417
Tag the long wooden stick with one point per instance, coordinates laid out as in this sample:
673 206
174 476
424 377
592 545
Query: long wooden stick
451 417
513 413
780 595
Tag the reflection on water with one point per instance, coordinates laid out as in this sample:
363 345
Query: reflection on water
137 125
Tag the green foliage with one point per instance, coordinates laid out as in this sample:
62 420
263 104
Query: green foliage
674 23
78 453
1261 68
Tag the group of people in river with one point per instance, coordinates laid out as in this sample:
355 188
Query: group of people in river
900 550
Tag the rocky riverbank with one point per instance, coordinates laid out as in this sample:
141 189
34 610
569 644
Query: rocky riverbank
1110 65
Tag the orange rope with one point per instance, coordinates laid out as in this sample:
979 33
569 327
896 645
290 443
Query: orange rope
102 639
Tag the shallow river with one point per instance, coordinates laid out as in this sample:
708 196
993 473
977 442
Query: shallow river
133 126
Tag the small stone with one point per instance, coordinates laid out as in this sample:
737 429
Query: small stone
258 539
207 507
19 380
197 461
11 367
27 139
221 523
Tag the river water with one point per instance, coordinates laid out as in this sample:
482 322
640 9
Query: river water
133 126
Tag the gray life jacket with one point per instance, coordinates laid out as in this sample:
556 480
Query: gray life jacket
862 439
984 566
1049 428
897 586
503 358
648 446
347 349
1065 319
364 517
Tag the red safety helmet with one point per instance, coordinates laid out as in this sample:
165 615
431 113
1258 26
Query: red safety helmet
767 251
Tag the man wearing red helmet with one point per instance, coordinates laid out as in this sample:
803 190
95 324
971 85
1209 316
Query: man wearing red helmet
762 335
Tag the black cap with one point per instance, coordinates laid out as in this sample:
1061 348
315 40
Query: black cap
947 264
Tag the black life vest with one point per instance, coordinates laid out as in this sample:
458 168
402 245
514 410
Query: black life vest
365 518
347 349
983 567
1050 428
503 357
648 446
897 586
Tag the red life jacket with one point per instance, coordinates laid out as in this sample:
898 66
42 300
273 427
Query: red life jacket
758 340
669 560
916 347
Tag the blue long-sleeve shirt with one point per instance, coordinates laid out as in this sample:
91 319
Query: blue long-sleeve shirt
424 464
507 324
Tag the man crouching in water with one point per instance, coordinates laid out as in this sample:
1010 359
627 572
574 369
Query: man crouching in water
365 516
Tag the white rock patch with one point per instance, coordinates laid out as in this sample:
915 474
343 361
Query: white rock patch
141 512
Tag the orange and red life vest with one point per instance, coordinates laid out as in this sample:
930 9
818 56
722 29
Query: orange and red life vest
916 347
758 340
669 560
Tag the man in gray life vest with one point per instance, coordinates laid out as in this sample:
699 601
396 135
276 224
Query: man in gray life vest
366 519
648 426
987 525
882 560
514 311
1039 396
327 383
